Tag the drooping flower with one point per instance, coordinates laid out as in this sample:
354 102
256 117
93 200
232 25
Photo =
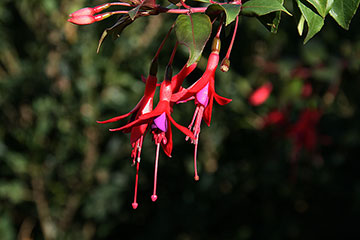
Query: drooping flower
138 132
260 95
160 121
203 91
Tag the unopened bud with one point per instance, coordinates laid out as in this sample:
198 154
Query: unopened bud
216 44
82 12
153 67
225 65
82 20
88 19
168 72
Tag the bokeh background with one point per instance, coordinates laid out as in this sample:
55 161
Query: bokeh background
63 176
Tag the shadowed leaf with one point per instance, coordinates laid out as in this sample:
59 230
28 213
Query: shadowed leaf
193 31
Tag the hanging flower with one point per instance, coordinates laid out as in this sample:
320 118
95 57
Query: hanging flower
203 91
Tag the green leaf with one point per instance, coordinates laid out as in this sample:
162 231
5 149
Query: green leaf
116 29
313 20
322 6
193 31
343 11
272 20
262 7
231 11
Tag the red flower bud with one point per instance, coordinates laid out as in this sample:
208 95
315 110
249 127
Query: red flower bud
260 95
88 19
83 12
89 11
82 20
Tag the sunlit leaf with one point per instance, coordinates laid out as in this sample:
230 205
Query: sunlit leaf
322 6
314 21
262 7
344 11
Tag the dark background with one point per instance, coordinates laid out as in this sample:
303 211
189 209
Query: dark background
63 176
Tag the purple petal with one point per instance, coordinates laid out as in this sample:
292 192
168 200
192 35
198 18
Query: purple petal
203 96
161 122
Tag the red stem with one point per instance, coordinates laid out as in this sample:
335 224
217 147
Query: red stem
233 38
163 42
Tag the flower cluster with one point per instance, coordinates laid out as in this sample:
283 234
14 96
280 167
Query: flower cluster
145 117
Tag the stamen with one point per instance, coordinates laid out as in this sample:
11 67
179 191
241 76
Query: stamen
154 196
196 177
192 121
138 150
135 204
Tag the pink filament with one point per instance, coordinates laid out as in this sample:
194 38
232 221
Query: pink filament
154 196
138 146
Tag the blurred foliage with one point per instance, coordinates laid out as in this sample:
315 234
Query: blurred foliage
63 176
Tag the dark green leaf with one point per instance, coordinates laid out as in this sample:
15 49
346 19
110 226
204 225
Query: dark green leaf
322 6
115 30
272 20
193 31
313 20
343 11
262 7
231 11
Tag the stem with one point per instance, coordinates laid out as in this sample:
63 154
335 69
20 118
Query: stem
154 196
220 27
173 53
181 11
184 4
163 42
233 38
120 4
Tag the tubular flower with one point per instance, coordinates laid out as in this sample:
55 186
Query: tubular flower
160 120
203 91
144 106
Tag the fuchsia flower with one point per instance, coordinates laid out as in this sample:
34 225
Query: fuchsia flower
203 91
144 106
159 125
160 120
260 95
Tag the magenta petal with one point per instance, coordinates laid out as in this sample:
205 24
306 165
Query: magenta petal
161 122
203 96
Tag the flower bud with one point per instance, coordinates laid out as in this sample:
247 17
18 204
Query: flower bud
225 65
82 12
216 44
88 19
82 20
153 67
168 73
